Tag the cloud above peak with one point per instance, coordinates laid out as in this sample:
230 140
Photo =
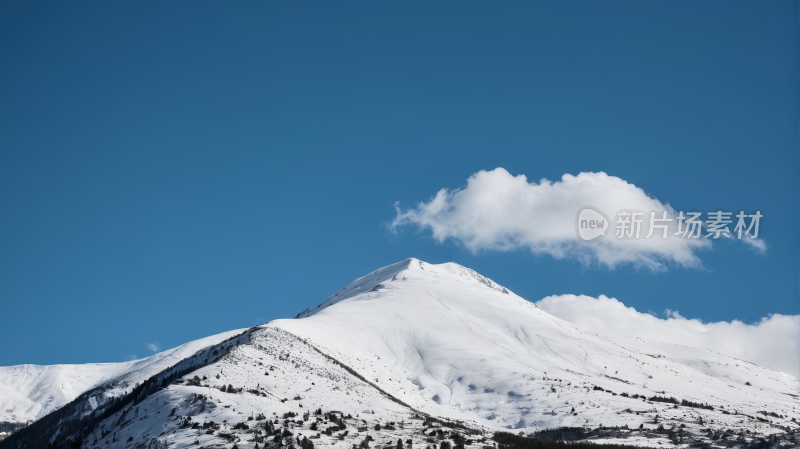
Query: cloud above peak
497 211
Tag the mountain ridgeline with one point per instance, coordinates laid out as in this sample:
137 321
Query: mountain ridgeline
429 356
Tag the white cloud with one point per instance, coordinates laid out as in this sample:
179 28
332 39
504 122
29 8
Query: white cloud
131 357
758 245
153 347
771 343
497 211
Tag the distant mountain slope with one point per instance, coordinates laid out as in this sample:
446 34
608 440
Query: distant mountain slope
28 392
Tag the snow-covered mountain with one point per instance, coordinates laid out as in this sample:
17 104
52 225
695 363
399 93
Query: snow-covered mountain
413 347
451 342
28 392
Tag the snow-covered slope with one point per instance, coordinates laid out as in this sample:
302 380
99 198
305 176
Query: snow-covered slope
412 342
28 392
451 342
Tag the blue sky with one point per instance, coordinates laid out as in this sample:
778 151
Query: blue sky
173 170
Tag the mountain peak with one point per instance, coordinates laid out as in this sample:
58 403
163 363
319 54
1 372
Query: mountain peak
404 270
